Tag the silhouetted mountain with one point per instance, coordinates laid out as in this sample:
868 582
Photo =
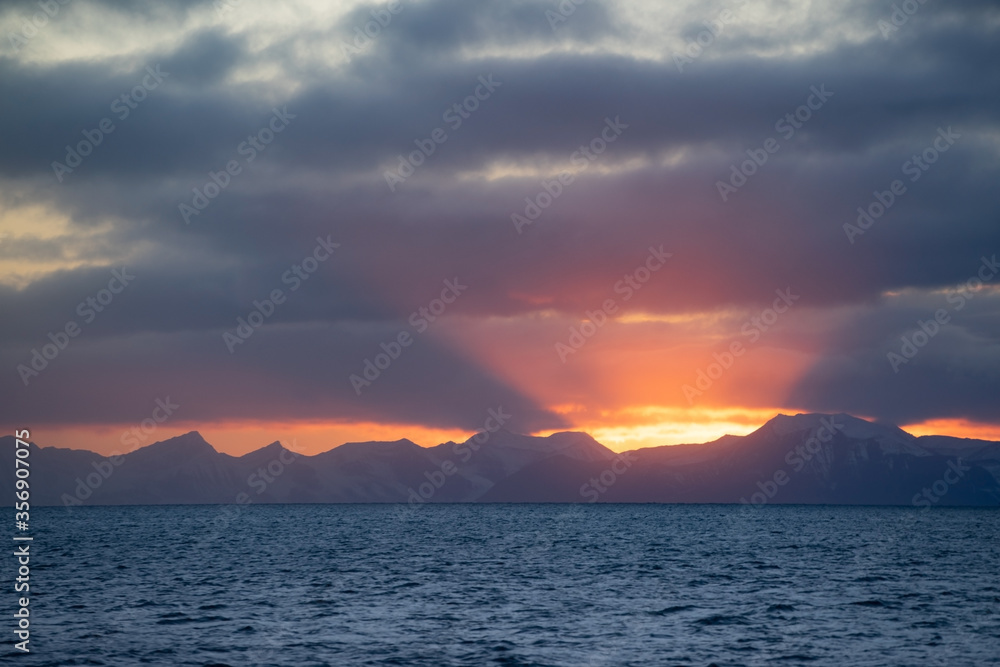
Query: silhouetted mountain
784 462
809 458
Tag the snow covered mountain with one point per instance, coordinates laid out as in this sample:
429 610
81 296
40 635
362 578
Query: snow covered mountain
806 458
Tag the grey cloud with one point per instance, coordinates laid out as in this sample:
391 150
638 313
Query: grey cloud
322 176
278 373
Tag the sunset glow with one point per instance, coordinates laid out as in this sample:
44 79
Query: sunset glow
577 223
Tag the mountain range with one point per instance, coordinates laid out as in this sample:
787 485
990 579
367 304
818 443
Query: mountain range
805 458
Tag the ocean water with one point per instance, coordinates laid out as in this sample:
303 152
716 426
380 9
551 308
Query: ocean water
572 585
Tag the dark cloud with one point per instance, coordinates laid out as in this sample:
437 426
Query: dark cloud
323 176
950 374
279 372
436 30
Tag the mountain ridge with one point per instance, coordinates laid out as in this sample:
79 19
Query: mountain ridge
802 458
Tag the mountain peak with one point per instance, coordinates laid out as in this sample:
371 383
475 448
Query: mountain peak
805 421
377 446
273 449
191 437
866 463
783 423
189 443
888 436
575 444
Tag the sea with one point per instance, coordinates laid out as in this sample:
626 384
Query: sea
514 585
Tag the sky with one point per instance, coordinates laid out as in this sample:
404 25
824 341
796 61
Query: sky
656 222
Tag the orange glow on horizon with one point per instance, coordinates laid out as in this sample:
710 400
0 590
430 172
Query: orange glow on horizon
620 430
959 428
656 426
239 438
